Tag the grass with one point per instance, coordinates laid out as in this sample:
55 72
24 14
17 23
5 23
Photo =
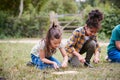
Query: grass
14 56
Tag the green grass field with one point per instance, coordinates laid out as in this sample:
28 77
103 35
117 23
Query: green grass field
14 56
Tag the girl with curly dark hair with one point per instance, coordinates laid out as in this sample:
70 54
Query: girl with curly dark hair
83 40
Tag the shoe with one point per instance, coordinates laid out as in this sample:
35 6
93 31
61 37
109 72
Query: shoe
69 60
87 64
107 59
30 64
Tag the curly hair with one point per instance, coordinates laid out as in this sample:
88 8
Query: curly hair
94 19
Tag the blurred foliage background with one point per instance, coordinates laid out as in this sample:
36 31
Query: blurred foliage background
30 18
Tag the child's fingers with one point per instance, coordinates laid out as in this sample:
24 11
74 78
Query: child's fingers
64 65
55 65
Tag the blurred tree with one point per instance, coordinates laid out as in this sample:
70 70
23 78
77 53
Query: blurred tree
7 5
111 2
91 2
38 4
21 8
12 6
60 6
116 3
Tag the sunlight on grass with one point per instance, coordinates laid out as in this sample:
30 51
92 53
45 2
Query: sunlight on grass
14 56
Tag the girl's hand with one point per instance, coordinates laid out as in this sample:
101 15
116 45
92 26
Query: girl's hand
81 59
55 65
64 64
96 60
96 57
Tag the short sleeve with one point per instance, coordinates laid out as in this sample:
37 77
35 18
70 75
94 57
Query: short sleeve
116 34
42 44
36 49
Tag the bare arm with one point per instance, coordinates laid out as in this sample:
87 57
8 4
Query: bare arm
65 57
42 57
117 43
45 60
97 51
96 56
